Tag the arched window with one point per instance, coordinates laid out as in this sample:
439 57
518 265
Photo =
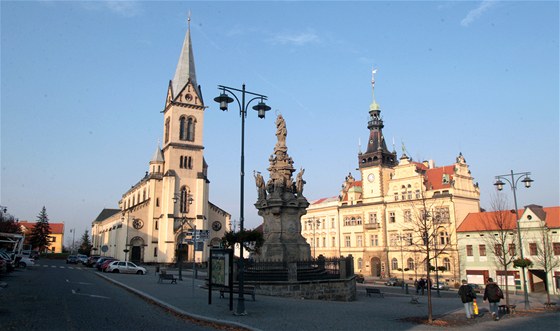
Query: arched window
410 263
182 127
184 200
394 264
447 263
190 129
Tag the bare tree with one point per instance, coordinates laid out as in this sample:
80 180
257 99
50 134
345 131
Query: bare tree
427 221
500 223
545 256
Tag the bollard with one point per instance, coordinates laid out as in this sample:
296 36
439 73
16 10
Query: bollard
406 288
157 269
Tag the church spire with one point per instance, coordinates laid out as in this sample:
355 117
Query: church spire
377 152
185 68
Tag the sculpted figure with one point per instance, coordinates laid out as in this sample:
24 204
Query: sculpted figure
300 182
281 131
259 181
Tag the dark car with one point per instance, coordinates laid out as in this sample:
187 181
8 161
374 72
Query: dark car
91 260
394 282
360 278
102 261
72 259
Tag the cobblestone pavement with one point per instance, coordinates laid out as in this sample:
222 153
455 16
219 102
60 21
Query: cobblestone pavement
393 312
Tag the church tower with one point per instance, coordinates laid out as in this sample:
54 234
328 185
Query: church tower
377 162
185 183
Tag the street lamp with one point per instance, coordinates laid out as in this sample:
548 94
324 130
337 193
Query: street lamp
186 200
223 99
513 181
314 223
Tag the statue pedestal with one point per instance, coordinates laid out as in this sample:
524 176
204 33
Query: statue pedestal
282 228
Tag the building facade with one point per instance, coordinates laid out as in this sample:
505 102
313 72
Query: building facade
170 202
396 213
488 240
56 238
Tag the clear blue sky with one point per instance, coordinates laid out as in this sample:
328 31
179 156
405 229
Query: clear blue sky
83 84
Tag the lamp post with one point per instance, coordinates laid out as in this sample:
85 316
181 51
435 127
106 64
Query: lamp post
185 199
314 223
126 243
401 238
513 181
223 99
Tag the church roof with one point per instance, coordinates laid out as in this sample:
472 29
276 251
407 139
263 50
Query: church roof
440 177
185 67
158 156
106 213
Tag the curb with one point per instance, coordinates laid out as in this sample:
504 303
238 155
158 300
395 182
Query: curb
176 310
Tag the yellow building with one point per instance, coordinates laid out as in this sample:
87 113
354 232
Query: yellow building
159 211
56 237
383 219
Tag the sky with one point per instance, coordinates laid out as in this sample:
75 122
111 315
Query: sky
83 85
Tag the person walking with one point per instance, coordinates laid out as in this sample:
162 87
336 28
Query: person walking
493 294
467 296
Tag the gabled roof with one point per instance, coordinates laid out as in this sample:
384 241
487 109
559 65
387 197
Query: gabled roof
487 221
55 228
434 177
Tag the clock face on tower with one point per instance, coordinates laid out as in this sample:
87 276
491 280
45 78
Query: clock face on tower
371 178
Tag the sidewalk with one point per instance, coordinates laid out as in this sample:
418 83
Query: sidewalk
188 298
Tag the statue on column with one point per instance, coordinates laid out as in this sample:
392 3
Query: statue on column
300 182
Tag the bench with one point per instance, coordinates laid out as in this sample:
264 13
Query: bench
249 290
165 276
371 290
507 309
414 300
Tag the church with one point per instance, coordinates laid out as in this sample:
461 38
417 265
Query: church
398 211
168 208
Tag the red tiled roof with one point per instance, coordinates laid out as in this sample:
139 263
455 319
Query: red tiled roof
56 228
434 177
487 221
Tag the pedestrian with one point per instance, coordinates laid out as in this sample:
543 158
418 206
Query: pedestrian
416 286
467 296
493 294
422 284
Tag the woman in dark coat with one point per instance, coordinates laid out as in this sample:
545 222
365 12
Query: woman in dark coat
467 296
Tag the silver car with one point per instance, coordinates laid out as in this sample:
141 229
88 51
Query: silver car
125 268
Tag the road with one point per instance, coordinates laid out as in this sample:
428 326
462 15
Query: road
55 296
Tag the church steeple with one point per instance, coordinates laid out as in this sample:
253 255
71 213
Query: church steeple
377 152
185 67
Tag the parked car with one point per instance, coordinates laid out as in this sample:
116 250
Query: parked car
82 258
441 286
24 261
91 260
100 261
394 282
31 254
477 288
360 278
125 268
72 259
10 262
105 264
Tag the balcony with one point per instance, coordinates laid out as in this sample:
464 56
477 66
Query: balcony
371 226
